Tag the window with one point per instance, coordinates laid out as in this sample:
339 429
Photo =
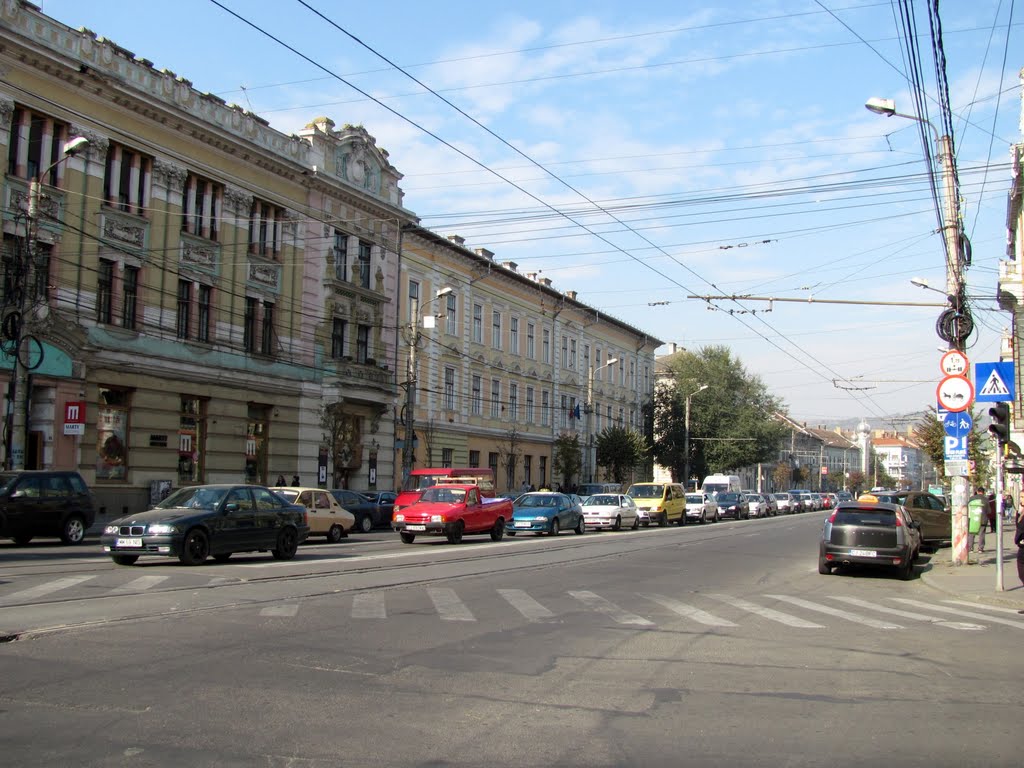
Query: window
204 309
474 458
529 341
340 253
478 323
447 457
586 357
476 400
105 291
622 372
126 179
572 353
414 300
129 307
528 416
365 249
362 343
565 351
542 472
265 228
192 440
36 144
267 345
256 443
528 469
112 433
338 338
545 407
451 328
622 417
495 398
546 346
41 271
496 329
249 331
184 307
597 419
513 402
565 412
449 388
201 205
513 335
492 462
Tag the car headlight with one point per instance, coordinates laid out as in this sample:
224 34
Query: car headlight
399 518
541 518
437 518
160 529
111 529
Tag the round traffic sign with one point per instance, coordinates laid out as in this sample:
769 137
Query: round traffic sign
955 393
954 363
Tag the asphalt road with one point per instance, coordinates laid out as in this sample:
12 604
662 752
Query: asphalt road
700 646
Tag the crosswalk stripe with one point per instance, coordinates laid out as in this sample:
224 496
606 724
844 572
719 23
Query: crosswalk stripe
908 614
690 612
525 604
955 612
369 606
139 585
284 611
765 613
39 590
848 615
608 608
448 605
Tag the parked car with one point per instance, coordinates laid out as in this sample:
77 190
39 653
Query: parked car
844 496
197 521
756 505
701 507
660 503
804 497
45 503
787 503
830 500
926 508
773 505
611 510
540 512
733 505
589 489
385 503
451 510
325 516
871 533
368 514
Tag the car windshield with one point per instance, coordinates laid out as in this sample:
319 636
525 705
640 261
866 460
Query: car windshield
537 501
194 497
602 500
694 498
646 491
444 495
729 498
782 497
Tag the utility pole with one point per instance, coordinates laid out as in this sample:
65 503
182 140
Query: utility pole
591 461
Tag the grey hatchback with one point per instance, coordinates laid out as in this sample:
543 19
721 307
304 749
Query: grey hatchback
45 503
872 533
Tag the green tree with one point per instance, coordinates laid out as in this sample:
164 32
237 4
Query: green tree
930 434
619 450
666 414
567 460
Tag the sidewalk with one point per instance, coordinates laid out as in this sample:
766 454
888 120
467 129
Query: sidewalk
977 581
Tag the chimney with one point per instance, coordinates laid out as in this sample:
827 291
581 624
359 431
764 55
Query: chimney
509 265
532 276
545 281
571 295
457 239
489 255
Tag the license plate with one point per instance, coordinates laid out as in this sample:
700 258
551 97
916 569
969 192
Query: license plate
415 527
863 553
522 524
129 542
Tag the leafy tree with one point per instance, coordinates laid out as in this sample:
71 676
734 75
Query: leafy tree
619 450
782 474
856 481
666 413
567 460
930 434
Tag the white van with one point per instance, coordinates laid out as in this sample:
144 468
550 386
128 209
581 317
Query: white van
715 484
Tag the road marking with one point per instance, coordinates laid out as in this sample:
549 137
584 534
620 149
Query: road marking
140 584
849 616
690 612
448 605
369 606
608 608
968 614
526 605
285 611
766 613
39 590
909 614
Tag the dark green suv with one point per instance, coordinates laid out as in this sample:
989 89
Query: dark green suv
45 503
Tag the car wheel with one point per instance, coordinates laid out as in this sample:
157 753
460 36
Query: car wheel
21 541
646 523
196 547
73 530
222 557
124 559
555 527
334 534
617 525
455 533
663 520
407 538
365 523
287 544
717 518
823 566
498 531
581 526
907 571
636 523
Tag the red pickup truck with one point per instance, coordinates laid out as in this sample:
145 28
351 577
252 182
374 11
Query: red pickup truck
452 510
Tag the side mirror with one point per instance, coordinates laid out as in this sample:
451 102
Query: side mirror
231 506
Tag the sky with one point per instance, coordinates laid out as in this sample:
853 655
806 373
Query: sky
642 153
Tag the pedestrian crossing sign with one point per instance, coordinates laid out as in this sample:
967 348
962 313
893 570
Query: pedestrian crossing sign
994 382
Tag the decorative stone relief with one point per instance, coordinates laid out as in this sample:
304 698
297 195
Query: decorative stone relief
169 175
264 274
359 167
198 253
238 200
98 144
6 112
124 230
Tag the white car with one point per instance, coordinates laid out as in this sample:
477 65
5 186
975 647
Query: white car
610 510
701 508
757 505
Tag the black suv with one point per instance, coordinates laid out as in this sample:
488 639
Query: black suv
45 503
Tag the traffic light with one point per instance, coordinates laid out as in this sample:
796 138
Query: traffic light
1000 426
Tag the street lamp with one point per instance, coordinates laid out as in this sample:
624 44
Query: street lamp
686 437
17 396
591 461
408 454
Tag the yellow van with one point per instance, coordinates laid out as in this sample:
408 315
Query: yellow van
660 503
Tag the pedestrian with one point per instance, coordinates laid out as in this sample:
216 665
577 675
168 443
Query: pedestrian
295 480
1018 539
1008 511
281 482
977 523
991 512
